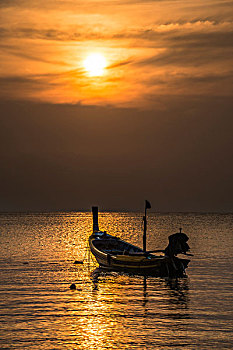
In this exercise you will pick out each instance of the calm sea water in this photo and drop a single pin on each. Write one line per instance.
(112, 311)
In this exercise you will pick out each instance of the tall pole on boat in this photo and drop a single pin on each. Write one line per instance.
(147, 206)
(95, 219)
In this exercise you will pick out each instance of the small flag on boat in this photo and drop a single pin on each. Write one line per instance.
(148, 206)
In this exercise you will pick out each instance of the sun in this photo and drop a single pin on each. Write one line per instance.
(95, 64)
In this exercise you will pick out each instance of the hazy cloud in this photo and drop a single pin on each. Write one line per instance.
(184, 167)
(162, 42)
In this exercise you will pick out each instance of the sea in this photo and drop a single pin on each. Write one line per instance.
(38, 310)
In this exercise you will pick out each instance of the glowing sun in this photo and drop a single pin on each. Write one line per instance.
(95, 64)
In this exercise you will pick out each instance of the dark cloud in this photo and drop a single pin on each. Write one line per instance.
(206, 40)
(48, 34)
(25, 87)
(186, 34)
(201, 31)
(10, 3)
(188, 57)
(121, 63)
(188, 79)
(14, 51)
(15, 87)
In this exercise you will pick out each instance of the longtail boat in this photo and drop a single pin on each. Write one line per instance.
(113, 253)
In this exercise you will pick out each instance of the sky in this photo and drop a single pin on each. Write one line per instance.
(156, 124)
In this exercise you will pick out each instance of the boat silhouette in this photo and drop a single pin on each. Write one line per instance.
(113, 253)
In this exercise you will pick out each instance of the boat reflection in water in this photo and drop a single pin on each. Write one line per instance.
(159, 297)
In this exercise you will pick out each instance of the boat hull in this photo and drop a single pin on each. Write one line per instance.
(137, 262)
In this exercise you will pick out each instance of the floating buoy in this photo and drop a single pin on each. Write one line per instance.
(72, 286)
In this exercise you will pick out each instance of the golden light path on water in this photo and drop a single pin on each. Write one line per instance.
(111, 311)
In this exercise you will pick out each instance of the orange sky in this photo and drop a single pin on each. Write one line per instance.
(156, 125)
(152, 48)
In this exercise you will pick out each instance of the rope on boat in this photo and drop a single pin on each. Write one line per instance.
(87, 256)
(84, 257)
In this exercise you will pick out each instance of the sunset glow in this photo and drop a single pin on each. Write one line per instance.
(116, 101)
(95, 64)
(164, 48)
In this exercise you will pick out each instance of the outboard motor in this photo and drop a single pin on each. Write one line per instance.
(177, 244)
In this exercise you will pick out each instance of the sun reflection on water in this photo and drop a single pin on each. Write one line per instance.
(110, 310)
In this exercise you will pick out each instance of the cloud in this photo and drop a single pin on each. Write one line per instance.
(13, 50)
(147, 53)
(39, 87)
(202, 84)
(186, 34)
(182, 31)
(18, 83)
(192, 56)
(120, 64)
